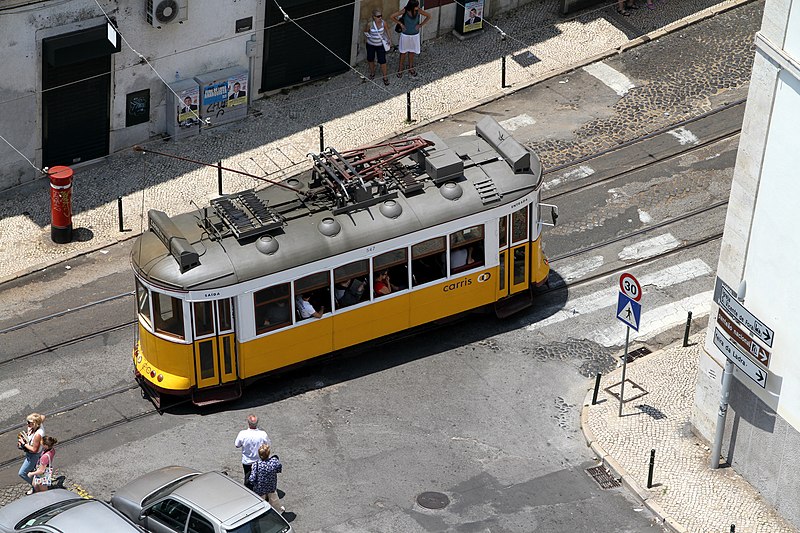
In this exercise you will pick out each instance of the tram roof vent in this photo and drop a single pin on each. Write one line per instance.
(515, 154)
(246, 215)
(443, 165)
(183, 252)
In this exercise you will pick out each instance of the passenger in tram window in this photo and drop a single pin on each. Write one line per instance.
(277, 313)
(305, 309)
(349, 293)
(383, 284)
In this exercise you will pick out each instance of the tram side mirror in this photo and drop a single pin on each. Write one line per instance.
(553, 214)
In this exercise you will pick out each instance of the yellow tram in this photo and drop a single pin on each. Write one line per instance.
(368, 243)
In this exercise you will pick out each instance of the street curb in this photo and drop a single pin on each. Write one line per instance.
(633, 43)
(625, 477)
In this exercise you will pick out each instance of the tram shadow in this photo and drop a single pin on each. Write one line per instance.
(457, 332)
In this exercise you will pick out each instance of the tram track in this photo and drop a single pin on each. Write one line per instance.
(646, 164)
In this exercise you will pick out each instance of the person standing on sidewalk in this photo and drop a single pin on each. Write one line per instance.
(378, 43)
(264, 477)
(249, 440)
(410, 21)
(30, 441)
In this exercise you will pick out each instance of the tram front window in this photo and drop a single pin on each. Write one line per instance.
(143, 302)
(168, 315)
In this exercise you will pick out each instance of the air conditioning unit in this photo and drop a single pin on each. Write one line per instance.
(162, 12)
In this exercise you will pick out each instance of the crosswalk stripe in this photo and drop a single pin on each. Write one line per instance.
(657, 320)
(611, 77)
(649, 247)
(602, 299)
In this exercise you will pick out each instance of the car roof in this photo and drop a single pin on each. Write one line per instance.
(89, 516)
(139, 489)
(79, 516)
(220, 497)
(19, 509)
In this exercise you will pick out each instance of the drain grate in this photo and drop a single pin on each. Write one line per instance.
(603, 477)
(638, 353)
(433, 500)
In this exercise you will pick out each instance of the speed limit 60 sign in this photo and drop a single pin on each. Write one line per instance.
(629, 286)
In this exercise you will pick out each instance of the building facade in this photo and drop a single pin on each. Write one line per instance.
(85, 78)
(759, 247)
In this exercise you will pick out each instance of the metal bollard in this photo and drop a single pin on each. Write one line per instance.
(686, 331)
(119, 213)
(321, 139)
(596, 389)
(408, 106)
(733, 528)
(503, 74)
(219, 177)
(652, 466)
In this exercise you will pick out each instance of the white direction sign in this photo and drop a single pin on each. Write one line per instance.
(747, 366)
(723, 296)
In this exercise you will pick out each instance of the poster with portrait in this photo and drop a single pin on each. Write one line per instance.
(188, 106)
(473, 16)
(237, 89)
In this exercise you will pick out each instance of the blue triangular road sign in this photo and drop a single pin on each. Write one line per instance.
(629, 311)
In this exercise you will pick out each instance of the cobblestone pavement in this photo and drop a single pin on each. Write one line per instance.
(274, 139)
(685, 489)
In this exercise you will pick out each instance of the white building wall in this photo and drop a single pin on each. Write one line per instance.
(760, 245)
(205, 42)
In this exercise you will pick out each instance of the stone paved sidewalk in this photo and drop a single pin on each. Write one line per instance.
(686, 492)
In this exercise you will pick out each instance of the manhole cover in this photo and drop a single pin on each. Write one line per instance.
(603, 477)
(433, 500)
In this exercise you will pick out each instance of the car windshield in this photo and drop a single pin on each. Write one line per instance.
(43, 515)
(269, 522)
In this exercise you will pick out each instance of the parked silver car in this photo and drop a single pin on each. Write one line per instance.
(59, 510)
(179, 499)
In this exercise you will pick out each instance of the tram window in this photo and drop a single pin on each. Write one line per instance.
(428, 261)
(168, 314)
(224, 312)
(519, 225)
(390, 272)
(203, 318)
(143, 302)
(273, 309)
(350, 282)
(318, 289)
(519, 265)
(466, 249)
(503, 231)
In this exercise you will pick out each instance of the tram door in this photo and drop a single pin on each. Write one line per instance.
(518, 254)
(214, 344)
(502, 278)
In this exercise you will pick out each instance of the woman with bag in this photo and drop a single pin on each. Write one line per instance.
(30, 441)
(264, 477)
(409, 20)
(42, 477)
(378, 43)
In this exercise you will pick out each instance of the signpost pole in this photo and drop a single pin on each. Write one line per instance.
(716, 449)
(624, 368)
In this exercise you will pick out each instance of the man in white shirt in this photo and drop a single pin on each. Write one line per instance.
(305, 309)
(249, 440)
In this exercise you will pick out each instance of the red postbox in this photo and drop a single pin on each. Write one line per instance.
(60, 204)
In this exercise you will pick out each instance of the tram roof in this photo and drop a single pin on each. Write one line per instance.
(488, 180)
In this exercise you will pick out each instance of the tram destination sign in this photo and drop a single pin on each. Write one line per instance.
(743, 339)
(744, 364)
(725, 298)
